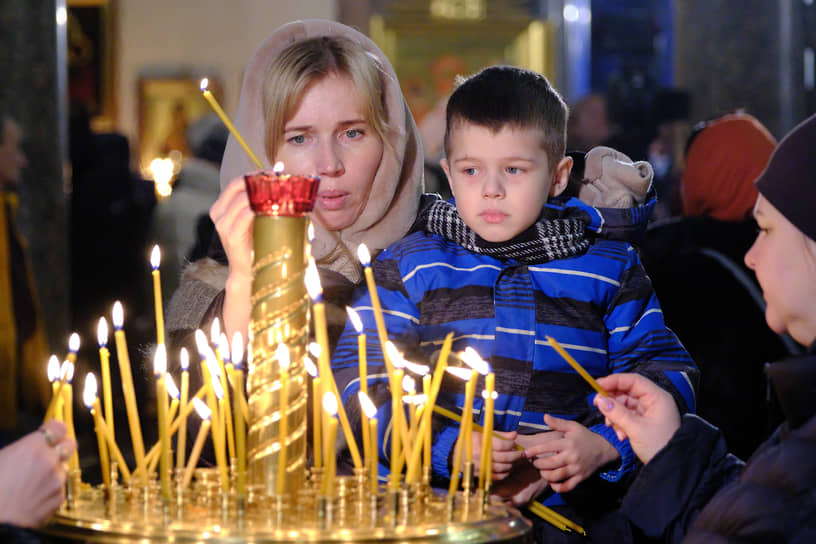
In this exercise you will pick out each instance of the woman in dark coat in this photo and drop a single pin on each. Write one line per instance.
(691, 488)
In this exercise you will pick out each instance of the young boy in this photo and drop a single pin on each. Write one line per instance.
(508, 265)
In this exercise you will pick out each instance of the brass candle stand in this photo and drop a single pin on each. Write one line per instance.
(270, 505)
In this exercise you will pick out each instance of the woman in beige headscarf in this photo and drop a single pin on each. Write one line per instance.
(322, 98)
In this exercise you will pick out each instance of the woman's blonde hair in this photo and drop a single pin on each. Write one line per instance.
(307, 61)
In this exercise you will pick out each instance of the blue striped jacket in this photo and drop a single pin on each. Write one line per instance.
(599, 305)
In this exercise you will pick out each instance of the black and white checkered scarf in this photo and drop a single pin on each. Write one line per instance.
(548, 239)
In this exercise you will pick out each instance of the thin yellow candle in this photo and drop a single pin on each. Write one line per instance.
(112, 447)
(476, 427)
(365, 259)
(426, 437)
(127, 386)
(104, 360)
(469, 377)
(317, 412)
(205, 414)
(361, 358)
(425, 424)
(578, 368)
(372, 459)
(330, 407)
(73, 348)
(54, 410)
(68, 406)
(472, 358)
(312, 280)
(396, 433)
(152, 456)
(222, 114)
(155, 260)
(160, 370)
(92, 402)
(220, 450)
(282, 355)
(240, 421)
(175, 395)
(205, 354)
(222, 355)
(486, 462)
(181, 442)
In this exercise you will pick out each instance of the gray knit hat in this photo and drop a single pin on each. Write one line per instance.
(789, 180)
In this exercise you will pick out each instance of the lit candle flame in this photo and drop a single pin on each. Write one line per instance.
(393, 353)
(419, 370)
(215, 331)
(102, 332)
(67, 371)
(89, 394)
(204, 84)
(155, 257)
(495, 395)
(474, 361)
(311, 368)
(330, 403)
(224, 348)
(118, 315)
(461, 373)
(73, 343)
(355, 319)
(212, 364)
(312, 279)
(170, 385)
(282, 354)
(202, 409)
(363, 254)
(310, 233)
(160, 360)
(315, 349)
(53, 369)
(278, 168)
(217, 389)
(201, 342)
(237, 349)
(184, 358)
(368, 407)
(408, 385)
(422, 398)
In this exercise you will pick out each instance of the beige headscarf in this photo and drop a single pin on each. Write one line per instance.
(394, 197)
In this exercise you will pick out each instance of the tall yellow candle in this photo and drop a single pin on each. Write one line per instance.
(155, 260)
(330, 407)
(181, 442)
(486, 462)
(54, 410)
(160, 370)
(205, 414)
(240, 418)
(222, 355)
(127, 386)
(68, 406)
(426, 436)
(104, 360)
(174, 393)
(222, 114)
(578, 368)
(396, 432)
(317, 413)
(372, 460)
(469, 376)
(472, 358)
(362, 365)
(220, 449)
(327, 379)
(282, 355)
(92, 402)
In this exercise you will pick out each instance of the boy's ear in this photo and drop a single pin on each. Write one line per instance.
(561, 176)
(446, 168)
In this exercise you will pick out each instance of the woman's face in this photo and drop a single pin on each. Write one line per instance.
(329, 136)
(784, 260)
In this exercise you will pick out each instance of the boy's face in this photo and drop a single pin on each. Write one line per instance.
(501, 180)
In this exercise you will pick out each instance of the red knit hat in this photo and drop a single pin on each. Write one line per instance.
(721, 165)
(789, 181)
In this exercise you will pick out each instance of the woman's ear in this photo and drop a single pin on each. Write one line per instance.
(446, 168)
(561, 176)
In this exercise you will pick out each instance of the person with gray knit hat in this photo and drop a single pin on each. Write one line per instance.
(691, 488)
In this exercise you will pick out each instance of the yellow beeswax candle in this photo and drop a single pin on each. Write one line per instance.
(160, 370)
(92, 402)
(127, 387)
(155, 260)
(372, 460)
(486, 462)
(330, 407)
(222, 114)
(181, 441)
(205, 414)
(104, 361)
(68, 407)
(578, 368)
(317, 413)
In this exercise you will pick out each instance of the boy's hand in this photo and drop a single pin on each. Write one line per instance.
(569, 454)
(525, 485)
(504, 454)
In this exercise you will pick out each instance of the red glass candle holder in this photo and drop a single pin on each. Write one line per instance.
(281, 194)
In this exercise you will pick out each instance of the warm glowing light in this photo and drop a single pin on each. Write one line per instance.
(184, 358)
(330, 403)
(310, 233)
(202, 409)
(201, 342)
(215, 331)
(53, 369)
(217, 389)
(224, 348)
(355, 319)
(278, 168)
(419, 370)
(282, 354)
(67, 371)
(493, 394)
(62, 15)
(155, 257)
(172, 389)
(422, 398)
(312, 279)
(73, 343)
(162, 171)
(394, 355)
(237, 349)
(118, 315)
(363, 255)
(368, 407)
(459, 372)
(204, 84)
(160, 360)
(311, 368)
(102, 332)
(315, 349)
(408, 385)
(89, 394)
(474, 360)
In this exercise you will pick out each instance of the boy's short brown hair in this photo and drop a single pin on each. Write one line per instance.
(501, 96)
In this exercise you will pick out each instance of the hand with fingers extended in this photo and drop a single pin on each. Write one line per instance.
(504, 453)
(568, 454)
(32, 475)
(638, 409)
